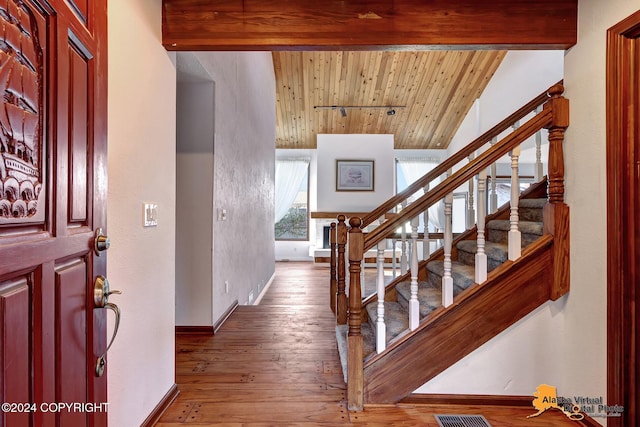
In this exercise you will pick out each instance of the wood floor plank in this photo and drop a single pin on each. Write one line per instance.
(318, 412)
(276, 364)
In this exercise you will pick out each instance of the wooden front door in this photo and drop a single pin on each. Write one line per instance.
(53, 181)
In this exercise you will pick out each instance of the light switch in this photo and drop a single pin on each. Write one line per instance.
(150, 214)
(222, 214)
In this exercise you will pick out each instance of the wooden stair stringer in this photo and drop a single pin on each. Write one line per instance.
(512, 291)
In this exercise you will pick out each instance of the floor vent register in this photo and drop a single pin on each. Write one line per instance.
(462, 421)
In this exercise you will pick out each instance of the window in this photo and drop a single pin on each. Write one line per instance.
(292, 199)
(408, 170)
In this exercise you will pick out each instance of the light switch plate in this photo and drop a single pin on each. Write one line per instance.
(150, 214)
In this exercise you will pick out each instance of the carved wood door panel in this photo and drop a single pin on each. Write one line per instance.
(52, 199)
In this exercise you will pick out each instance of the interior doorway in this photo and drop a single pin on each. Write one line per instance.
(195, 130)
(623, 222)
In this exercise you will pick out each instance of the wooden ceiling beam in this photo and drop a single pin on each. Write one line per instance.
(368, 24)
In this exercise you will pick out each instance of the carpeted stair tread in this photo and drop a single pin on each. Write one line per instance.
(395, 317)
(532, 203)
(429, 296)
(531, 209)
(368, 339)
(341, 338)
(529, 227)
(368, 347)
(498, 231)
(463, 274)
(497, 253)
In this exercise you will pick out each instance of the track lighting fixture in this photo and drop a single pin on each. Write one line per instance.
(391, 109)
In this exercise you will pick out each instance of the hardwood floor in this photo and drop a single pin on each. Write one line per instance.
(276, 364)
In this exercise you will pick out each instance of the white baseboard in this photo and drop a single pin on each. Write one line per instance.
(265, 289)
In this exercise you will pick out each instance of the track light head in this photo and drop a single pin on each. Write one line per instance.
(391, 112)
(343, 112)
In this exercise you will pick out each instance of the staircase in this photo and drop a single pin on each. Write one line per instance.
(430, 290)
(465, 293)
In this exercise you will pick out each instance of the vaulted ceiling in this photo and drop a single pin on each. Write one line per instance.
(430, 91)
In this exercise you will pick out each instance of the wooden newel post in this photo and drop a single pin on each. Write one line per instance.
(559, 123)
(556, 212)
(333, 281)
(341, 299)
(355, 384)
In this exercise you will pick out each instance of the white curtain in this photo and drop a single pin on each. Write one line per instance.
(413, 169)
(289, 175)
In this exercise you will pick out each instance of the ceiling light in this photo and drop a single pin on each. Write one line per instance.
(391, 112)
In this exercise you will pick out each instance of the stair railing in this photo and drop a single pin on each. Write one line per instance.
(463, 153)
(554, 117)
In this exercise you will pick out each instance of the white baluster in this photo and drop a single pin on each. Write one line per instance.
(426, 247)
(403, 249)
(394, 266)
(381, 330)
(471, 214)
(481, 256)
(493, 200)
(363, 287)
(414, 305)
(538, 170)
(409, 248)
(514, 233)
(363, 291)
(447, 278)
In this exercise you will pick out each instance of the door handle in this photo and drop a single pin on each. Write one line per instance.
(101, 292)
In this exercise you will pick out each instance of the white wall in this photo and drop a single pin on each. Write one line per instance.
(194, 201)
(521, 76)
(354, 146)
(243, 174)
(584, 359)
(141, 158)
(564, 342)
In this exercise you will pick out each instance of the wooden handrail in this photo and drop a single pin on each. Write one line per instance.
(484, 160)
(456, 158)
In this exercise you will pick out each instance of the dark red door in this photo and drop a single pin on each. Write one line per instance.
(52, 199)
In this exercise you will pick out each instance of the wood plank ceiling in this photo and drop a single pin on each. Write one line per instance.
(430, 91)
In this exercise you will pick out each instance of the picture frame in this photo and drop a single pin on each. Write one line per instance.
(355, 175)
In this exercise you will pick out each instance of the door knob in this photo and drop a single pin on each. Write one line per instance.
(101, 242)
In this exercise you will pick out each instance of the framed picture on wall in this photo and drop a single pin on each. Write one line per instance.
(355, 175)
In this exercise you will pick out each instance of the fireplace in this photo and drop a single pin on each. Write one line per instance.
(326, 240)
